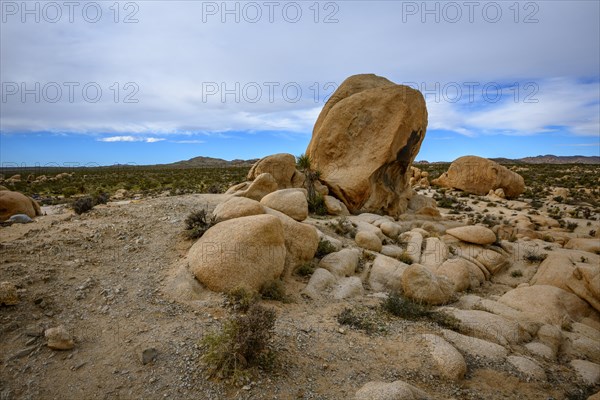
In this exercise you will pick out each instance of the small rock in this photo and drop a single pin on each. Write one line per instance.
(589, 372)
(148, 355)
(59, 338)
(8, 294)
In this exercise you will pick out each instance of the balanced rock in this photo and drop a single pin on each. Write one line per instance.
(473, 234)
(282, 167)
(478, 175)
(365, 140)
(241, 252)
(291, 202)
(12, 203)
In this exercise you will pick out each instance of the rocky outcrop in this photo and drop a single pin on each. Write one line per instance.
(241, 252)
(365, 140)
(282, 167)
(12, 203)
(478, 175)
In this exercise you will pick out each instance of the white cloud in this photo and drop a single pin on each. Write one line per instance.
(112, 139)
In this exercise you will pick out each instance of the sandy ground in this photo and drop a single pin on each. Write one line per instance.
(116, 279)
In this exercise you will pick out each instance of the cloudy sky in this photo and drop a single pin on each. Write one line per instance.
(159, 81)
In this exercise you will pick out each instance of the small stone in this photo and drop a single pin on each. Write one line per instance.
(59, 338)
(8, 294)
(342, 331)
(148, 355)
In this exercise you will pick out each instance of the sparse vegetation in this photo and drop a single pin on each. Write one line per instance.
(241, 343)
(306, 269)
(517, 273)
(363, 319)
(325, 247)
(274, 290)
(571, 226)
(197, 223)
(344, 227)
(241, 299)
(402, 307)
(83, 205)
(533, 257)
(405, 258)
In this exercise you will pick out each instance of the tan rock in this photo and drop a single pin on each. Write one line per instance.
(334, 206)
(589, 245)
(281, 167)
(376, 180)
(588, 372)
(475, 347)
(434, 254)
(261, 186)
(242, 252)
(341, 263)
(347, 288)
(236, 207)
(458, 272)
(448, 362)
(493, 261)
(420, 284)
(527, 367)
(547, 304)
(491, 327)
(414, 242)
(397, 390)
(12, 203)
(386, 274)
(473, 234)
(368, 241)
(301, 241)
(479, 175)
(291, 202)
(59, 339)
(8, 294)
(319, 282)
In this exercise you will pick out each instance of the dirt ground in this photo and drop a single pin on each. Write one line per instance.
(116, 279)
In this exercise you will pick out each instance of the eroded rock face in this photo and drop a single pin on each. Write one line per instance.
(365, 140)
(479, 175)
(282, 168)
(241, 252)
(12, 203)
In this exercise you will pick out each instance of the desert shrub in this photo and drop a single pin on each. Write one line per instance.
(325, 247)
(316, 204)
(446, 201)
(362, 319)
(402, 307)
(558, 199)
(305, 269)
(405, 258)
(69, 191)
(101, 198)
(517, 273)
(197, 223)
(592, 233)
(241, 299)
(83, 205)
(571, 226)
(344, 227)
(242, 342)
(533, 257)
(273, 290)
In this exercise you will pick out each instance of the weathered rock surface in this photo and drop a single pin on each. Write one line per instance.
(291, 202)
(386, 274)
(475, 347)
(449, 363)
(368, 241)
(334, 206)
(527, 367)
(236, 207)
(261, 186)
(589, 372)
(319, 282)
(341, 263)
(281, 167)
(397, 390)
(12, 203)
(473, 234)
(369, 112)
(420, 284)
(479, 175)
(59, 338)
(242, 252)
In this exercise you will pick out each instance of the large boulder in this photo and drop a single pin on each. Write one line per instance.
(386, 274)
(582, 279)
(241, 252)
(473, 234)
(291, 202)
(447, 361)
(422, 285)
(237, 207)
(301, 241)
(479, 175)
(365, 140)
(261, 186)
(12, 203)
(282, 167)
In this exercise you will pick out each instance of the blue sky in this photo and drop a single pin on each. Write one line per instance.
(156, 82)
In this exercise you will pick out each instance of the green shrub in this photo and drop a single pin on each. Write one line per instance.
(316, 204)
(83, 205)
(533, 257)
(305, 269)
(197, 223)
(242, 342)
(273, 290)
(516, 273)
(571, 226)
(402, 307)
(362, 319)
(241, 299)
(325, 247)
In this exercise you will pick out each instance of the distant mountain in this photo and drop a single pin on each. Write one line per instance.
(208, 162)
(551, 159)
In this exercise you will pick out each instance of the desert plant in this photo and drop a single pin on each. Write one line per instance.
(101, 198)
(273, 290)
(402, 307)
(316, 202)
(405, 258)
(533, 257)
(571, 226)
(83, 205)
(241, 299)
(242, 342)
(325, 247)
(517, 273)
(197, 223)
(305, 269)
(362, 319)
(344, 227)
